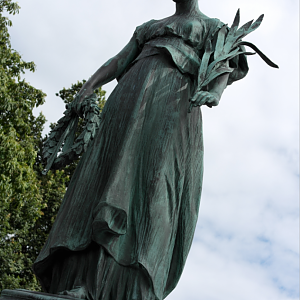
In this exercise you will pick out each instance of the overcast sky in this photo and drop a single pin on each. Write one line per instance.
(246, 244)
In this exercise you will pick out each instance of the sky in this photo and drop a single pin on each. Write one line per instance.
(246, 244)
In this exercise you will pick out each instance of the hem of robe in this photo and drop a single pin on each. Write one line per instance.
(110, 225)
(56, 250)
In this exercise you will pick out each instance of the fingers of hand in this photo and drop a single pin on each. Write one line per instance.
(75, 105)
(201, 98)
(198, 98)
(212, 101)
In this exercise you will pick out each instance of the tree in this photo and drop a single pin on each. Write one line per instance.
(21, 202)
(29, 201)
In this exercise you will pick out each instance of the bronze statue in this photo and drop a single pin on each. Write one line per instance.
(127, 221)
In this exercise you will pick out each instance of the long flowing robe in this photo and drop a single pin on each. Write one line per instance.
(127, 220)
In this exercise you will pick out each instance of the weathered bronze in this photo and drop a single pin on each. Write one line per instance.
(127, 221)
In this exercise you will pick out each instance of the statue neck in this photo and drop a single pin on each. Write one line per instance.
(187, 8)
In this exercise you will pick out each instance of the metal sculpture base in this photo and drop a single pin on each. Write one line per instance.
(30, 295)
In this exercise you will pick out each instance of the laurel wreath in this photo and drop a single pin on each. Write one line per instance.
(60, 148)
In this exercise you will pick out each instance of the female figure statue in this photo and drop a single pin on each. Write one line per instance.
(127, 221)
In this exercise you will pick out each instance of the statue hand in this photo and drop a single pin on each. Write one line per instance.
(76, 103)
(204, 98)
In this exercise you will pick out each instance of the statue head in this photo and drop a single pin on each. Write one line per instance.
(184, 1)
(191, 5)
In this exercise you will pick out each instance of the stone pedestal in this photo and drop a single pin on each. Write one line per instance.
(29, 295)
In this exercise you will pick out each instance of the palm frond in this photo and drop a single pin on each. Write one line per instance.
(220, 42)
(262, 55)
(205, 61)
(244, 28)
(226, 48)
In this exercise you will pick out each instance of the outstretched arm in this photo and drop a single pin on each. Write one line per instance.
(111, 69)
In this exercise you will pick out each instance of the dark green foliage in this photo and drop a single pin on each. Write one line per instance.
(29, 201)
(67, 95)
(20, 199)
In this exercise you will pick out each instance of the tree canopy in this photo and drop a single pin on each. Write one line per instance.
(21, 201)
(29, 201)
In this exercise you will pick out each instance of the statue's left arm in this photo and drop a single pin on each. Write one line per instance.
(112, 69)
(213, 95)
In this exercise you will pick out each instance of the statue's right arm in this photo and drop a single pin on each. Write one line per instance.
(111, 69)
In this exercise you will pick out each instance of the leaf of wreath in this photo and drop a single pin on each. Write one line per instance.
(63, 135)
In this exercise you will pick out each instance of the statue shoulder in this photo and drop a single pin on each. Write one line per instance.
(212, 25)
(145, 26)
